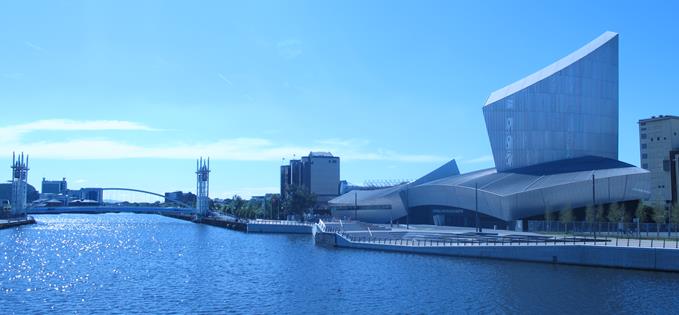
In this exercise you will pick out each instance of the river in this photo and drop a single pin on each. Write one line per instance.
(132, 263)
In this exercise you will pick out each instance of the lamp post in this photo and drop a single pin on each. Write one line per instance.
(476, 200)
(355, 205)
(407, 210)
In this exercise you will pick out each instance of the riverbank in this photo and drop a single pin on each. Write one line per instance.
(251, 226)
(5, 224)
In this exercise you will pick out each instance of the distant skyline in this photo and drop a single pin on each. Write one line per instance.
(129, 94)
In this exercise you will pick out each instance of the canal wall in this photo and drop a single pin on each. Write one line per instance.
(14, 223)
(657, 259)
(255, 227)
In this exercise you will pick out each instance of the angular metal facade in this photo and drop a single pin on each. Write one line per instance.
(566, 110)
(550, 133)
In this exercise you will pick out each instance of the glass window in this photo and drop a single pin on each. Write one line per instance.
(643, 136)
(644, 145)
(644, 156)
(666, 165)
(644, 166)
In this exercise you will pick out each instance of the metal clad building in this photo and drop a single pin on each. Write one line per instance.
(554, 138)
(566, 110)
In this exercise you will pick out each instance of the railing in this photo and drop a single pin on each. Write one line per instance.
(280, 222)
(321, 225)
(639, 230)
(507, 241)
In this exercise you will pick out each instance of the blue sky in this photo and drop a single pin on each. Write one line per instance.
(128, 93)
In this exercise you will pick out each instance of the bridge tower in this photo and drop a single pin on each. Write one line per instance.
(19, 184)
(202, 186)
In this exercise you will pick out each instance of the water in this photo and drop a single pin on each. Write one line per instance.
(127, 263)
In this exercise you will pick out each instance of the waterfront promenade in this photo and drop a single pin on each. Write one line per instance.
(629, 253)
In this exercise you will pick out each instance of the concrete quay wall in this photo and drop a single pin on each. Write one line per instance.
(279, 228)
(657, 259)
(14, 223)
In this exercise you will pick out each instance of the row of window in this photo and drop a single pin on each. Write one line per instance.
(665, 164)
(643, 136)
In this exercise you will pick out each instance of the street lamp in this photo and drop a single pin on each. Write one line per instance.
(476, 200)
(407, 209)
(356, 205)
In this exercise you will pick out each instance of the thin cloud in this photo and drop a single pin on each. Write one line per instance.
(33, 46)
(289, 48)
(221, 76)
(14, 132)
(234, 149)
(237, 149)
(480, 159)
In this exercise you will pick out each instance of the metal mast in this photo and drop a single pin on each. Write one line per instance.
(202, 187)
(19, 185)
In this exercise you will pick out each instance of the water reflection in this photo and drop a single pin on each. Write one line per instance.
(152, 264)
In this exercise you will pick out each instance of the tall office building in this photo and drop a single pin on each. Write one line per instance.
(321, 175)
(659, 141)
(285, 178)
(317, 173)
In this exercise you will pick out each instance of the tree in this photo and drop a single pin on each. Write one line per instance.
(298, 200)
(675, 214)
(615, 213)
(659, 215)
(590, 214)
(549, 215)
(235, 205)
(566, 215)
(600, 213)
(642, 212)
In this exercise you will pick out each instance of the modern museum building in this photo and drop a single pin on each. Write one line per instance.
(554, 140)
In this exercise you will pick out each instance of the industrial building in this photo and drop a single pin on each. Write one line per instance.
(54, 186)
(659, 150)
(554, 139)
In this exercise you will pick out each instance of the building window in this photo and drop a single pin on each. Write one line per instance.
(643, 136)
(644, 166)
(658, 139)
(643, 128)
(666, 165)
(644, 156)
(643, 124)
(644, 145)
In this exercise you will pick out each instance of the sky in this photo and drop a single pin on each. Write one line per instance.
(130, 93)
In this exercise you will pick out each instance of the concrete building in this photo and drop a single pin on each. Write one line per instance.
(554, 139)
(659, 145)
(54, 186)
(317, 173)
(92, 194)
(285, 178)
(321, 175)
